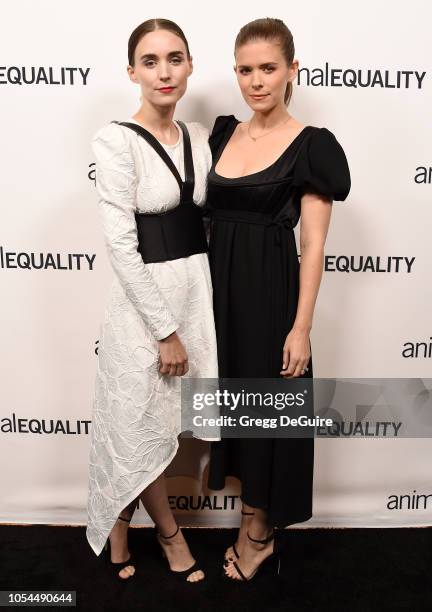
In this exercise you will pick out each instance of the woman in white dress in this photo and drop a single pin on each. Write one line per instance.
(158, 323)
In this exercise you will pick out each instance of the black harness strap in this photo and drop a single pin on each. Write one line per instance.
(178, 232)
(189, 182)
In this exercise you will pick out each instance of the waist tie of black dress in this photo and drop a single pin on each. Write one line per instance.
(239, 216)
(178, 232)
(284, 251)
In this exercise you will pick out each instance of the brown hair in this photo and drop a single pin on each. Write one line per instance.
(269, 29)
(150, 26)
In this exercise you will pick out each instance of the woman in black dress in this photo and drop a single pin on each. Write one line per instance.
(266, 173)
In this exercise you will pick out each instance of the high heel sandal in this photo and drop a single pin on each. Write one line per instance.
(179, 574)
(117, 567)
(275, 556)
(227, 558)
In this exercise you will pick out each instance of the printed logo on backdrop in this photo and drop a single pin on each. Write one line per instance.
(92, 173)
(45, 260)
(202, 502)
(40, 426)
(43, 75)
(417, 350)
(410, 501)
(329, 76)
(424, 175)
(192, 503)
(368, 263)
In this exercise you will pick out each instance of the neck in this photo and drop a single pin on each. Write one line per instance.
(267, 119)
(156, 118)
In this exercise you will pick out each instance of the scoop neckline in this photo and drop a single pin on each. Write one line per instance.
(248, 176)
(173, 146)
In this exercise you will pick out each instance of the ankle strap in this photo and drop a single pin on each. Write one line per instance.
(247, 513)
(265, 541)
(171, 536)
(124, 519)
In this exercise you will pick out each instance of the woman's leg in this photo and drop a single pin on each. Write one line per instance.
(247, 513)
(118, 540)
(155, 500)
(253, 554)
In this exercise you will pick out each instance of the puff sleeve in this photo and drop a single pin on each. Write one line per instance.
(217, 135)
(322, 167)
(116, 187)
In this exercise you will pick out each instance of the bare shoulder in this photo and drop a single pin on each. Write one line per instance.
(296, 124)
(240, 132)
(293, 127)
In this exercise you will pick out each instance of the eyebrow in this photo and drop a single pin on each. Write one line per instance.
(260, 66)
(153, 56)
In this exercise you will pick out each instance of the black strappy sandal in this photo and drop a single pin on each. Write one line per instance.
(180, 574)
(275, 556)
(229, 559)
(117, 567)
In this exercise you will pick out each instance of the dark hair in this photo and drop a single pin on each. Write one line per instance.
(269, 29)
(150, 26)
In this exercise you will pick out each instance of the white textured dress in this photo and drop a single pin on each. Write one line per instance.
(136, 410)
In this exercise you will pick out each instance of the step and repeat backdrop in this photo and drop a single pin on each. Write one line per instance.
(365, 75)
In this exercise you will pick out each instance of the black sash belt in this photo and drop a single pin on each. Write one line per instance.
(178, 232)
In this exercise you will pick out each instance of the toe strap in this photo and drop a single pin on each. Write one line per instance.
(239, 572)
(194, 568)
(122, 564)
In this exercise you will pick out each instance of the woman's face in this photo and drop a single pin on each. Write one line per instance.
(161, 67)
(263, 74)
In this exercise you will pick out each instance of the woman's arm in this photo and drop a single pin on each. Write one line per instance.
(116, 186)
(314, 224)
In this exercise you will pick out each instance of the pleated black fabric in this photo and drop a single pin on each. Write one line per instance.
(255, 274)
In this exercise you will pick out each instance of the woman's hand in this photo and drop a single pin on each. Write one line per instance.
(173, 359)
(296, 353)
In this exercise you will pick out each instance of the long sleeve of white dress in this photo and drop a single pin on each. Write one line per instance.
(116, 183)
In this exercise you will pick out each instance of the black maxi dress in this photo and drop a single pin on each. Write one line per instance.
(255, 274)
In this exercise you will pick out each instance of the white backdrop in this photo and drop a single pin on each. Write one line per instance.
(364, 321)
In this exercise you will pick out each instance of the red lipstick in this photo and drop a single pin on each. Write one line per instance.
(166, 90)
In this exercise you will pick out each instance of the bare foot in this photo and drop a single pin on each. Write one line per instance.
(241, 537)
(179, 556)
(251, 557)
(119, 547)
